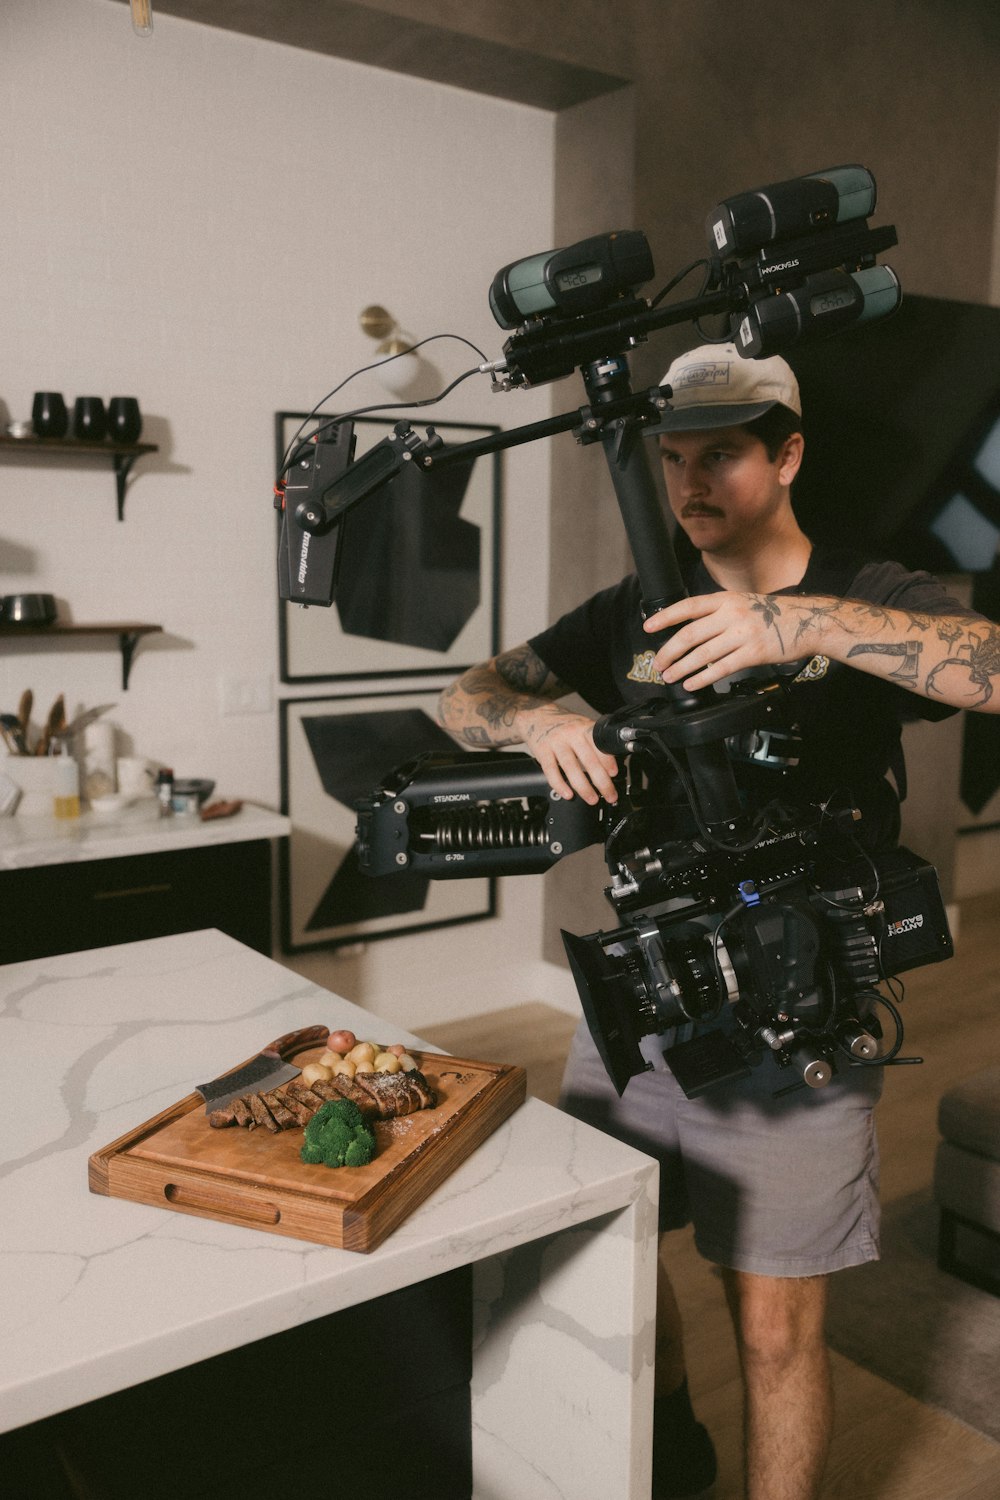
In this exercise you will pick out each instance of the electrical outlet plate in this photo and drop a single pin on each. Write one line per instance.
(246, 695)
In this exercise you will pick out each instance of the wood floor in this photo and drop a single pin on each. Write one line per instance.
(886, 1446)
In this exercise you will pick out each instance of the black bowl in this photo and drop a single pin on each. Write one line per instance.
(27, 609)
(195, 786)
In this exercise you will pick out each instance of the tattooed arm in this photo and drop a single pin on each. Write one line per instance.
(511, 700)
(950, 659)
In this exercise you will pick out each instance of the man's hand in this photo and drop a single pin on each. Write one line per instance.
(563, 745)
(725, 633)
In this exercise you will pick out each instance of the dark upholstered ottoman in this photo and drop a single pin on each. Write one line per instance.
(967, 1180)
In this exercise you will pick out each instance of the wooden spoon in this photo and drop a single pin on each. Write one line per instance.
(54, 725)
(24, 711)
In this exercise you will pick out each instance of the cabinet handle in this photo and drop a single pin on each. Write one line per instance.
(132, 890)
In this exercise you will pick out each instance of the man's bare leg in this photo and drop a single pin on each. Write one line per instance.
(779, 1324)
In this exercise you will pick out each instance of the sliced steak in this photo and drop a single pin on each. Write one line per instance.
(261, 1114)
(306, 1096)
(379, 1096)
(397, 1094)
(295, 1106)
(241, 1111)
(283, 1117)
(340, 1087)
(428, 1098)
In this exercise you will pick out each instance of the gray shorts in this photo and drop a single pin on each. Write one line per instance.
(776, 1187)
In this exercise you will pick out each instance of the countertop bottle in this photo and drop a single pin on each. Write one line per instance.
(165, 792)
(66, 798)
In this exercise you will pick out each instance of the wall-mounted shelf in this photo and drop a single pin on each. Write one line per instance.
(128, 633)
(122, 455)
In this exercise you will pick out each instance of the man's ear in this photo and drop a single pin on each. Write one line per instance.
(790, 457)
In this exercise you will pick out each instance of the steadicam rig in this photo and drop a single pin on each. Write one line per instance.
(789, 262)
(765, 928)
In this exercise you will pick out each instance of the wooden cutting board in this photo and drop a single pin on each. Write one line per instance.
(255, 1178)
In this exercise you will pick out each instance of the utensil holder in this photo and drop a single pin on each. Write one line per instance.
(39, 779)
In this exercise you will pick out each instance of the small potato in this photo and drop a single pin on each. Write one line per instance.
(408, 1064)
(365, 1065)
(344, 1069)
(362, 1052)
(397, 1049)
(316, 1073)
(328, 1059)
(386, 1062)
(341, 1041)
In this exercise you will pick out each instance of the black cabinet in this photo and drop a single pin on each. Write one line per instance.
(65, 908)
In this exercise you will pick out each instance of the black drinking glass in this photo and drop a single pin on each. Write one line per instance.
(124, 419)
(49, 416)
(89, 420)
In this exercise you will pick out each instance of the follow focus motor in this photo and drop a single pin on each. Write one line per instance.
(746, 929)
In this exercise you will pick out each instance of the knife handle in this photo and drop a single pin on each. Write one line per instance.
(294, 1041)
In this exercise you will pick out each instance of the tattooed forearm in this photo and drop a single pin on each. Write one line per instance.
(949, 630)
(813, 616)
(525, 672)
(876, 616)
(974, 662)
(908, 651)
(480, 739)
(954, 659)
(767, 606)
(482, 707)
(498, 710)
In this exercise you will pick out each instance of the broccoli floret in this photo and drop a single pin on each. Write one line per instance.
(338, 1136)
(361, 1150)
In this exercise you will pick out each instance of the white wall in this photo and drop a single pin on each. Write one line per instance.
(198, 219)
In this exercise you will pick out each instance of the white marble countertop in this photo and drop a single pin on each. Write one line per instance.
(99, 1293)
(26, 842)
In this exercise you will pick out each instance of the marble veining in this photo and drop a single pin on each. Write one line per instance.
(99, 1293)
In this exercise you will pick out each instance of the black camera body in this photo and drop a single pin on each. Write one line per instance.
(775, 951)
(769, 949)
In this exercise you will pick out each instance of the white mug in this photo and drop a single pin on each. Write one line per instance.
(98, 759)
(134, 775)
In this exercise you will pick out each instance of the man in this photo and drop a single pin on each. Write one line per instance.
(781, 1191)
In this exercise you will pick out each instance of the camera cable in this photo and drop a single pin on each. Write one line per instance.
(291, 452)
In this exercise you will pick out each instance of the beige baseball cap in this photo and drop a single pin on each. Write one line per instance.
(714, 386)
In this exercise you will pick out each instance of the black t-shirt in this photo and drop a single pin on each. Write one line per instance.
(848, 721)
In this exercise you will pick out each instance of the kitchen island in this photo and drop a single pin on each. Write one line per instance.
(99, 1294)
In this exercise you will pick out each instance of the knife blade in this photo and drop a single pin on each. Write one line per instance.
(265, 1071)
